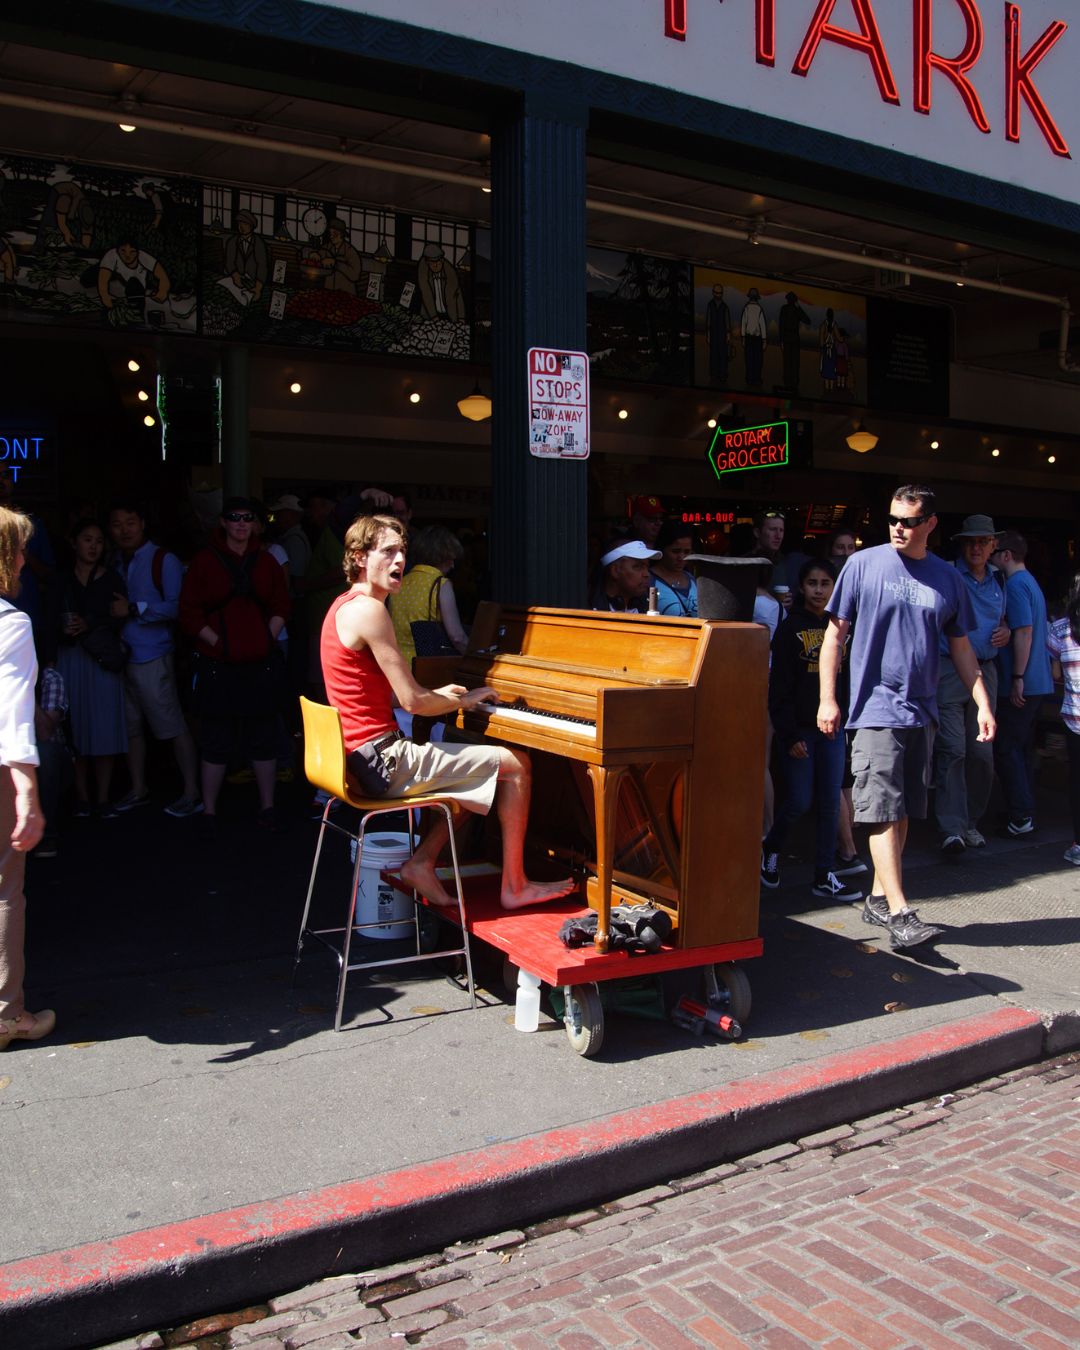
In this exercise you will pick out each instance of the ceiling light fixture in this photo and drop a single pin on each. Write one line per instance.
(477, 407)
(127, 126)
(711, 423)
(144, 397)
(148, 421)
(935, 445)
(623, 414)
(134, 366)
(414, 397)
(861, 440)
(995, 453)
(1051, 459)
(295, 387)
(757, 229)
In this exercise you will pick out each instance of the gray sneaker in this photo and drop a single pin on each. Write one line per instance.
(1071, 855)
(184, 807)
(974, 838)
(876, 910)
(906, 929)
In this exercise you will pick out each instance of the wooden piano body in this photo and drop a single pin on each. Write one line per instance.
(648, 739)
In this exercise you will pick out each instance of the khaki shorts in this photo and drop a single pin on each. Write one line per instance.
(891, 768)
(150, 693)
(467, 773)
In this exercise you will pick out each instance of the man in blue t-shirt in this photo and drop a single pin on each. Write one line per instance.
(964, 773)
(1024, 668)
(905, 600)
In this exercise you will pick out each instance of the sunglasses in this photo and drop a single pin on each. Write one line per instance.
(233, 517)
(908, 522)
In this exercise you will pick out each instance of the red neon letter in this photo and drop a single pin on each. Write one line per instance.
(868, 41)
(766, 32)
(675, 19)
(1018, 71)
(927, 60)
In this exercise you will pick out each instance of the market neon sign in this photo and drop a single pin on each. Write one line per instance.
(764, 447)
(1020, 65)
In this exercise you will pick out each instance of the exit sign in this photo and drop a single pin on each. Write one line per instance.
(765, 447)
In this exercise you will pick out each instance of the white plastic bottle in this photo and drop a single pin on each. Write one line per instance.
(527, 1004)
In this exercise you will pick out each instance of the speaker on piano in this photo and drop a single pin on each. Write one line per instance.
(726, 586)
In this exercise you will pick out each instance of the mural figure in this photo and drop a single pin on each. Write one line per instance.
(792, 318)
(160, 202)
(344, 262)
(718, 336)
(754, 337)
(827, 338)
(247, 260)
(8, 264)
(843, 364)
(67, 218)
(440, 290)
(126, 277)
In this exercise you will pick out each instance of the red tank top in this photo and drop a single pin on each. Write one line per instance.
(355, 683)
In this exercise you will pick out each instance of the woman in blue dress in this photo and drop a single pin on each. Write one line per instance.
(676, 589)
(96, 695)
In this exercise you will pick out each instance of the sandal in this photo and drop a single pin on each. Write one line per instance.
(27, 1026)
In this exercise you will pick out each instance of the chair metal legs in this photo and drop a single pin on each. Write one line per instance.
(342, 951)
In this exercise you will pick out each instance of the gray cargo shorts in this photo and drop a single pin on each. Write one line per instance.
(891, 768)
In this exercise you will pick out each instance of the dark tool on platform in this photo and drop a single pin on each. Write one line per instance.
(634, 928)
(698, 1018)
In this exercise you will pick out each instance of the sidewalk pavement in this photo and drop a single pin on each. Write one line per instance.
(199, 1135)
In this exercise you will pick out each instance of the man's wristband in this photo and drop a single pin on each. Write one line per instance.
(1019, 676)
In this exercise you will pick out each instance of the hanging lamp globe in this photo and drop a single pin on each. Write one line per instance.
(861, 440)
(477, 407)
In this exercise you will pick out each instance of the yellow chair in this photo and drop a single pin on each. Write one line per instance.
(324, 765)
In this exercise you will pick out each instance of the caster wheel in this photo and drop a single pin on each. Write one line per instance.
(729, 981)
(584, 1018)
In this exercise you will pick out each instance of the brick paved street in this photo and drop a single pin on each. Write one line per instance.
(951, 1222)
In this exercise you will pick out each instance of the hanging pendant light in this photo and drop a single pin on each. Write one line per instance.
(477, 407)
(861, 440)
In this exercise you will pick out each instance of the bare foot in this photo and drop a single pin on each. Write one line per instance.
(422, 877)
(536, 893)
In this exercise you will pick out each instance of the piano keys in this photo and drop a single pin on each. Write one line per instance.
(647, 737)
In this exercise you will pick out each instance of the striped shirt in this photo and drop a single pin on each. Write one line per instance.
(1064, 648)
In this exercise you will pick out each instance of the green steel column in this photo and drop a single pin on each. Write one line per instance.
(538, 519)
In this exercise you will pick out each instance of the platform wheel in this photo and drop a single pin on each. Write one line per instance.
(509, 976)
(584, 1018)
(730, 984)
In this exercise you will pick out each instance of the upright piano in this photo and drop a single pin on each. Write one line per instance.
(648, 742)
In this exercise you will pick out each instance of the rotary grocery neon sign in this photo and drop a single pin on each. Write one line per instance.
(1020, 65)
(765, 447)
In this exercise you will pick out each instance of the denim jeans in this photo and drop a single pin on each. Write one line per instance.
(816, 779)
(1012, 747)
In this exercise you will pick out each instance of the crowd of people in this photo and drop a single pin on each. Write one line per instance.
(891, 671)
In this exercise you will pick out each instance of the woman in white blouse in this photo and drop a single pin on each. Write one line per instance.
(21, 821)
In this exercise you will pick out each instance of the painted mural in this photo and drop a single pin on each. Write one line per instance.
(638, 316)
(313, 273)
(94, 246)
(760, 334)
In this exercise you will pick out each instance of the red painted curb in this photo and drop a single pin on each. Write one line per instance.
(98, 1266)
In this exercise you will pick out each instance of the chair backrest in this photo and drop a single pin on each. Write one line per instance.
(324, 748)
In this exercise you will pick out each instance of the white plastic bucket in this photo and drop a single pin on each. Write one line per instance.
(377, 902)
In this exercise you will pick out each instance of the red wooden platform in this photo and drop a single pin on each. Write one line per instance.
(530, 938)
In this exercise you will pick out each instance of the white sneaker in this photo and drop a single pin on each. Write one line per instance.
(973, 838)
(953, 845)
(1072, 854)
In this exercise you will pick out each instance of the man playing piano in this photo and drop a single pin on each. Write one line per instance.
(366, 675)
